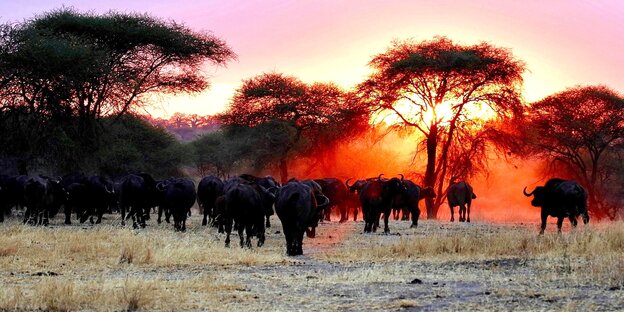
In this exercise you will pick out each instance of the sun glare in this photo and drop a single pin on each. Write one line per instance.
(442, 114)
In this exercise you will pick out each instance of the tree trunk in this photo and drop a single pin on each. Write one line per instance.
(430, 178)
(283, 168)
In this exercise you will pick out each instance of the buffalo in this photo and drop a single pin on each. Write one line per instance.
(88, 196)
(460, 194)
(338, 195)
(244, 205)
(208, 190)
(178, 196)
(137, 195)
(376, 198)
(408, 201)
(321, 200)
(354, 197)
(39, 199)
(560, 199)
(268, 183)
(297, 209)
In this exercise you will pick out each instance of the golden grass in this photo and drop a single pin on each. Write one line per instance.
(590, 254)
(475, 243)
(113, 268)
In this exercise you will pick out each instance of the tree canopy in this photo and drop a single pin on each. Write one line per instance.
(318, 113)
(71, 69)
(431, 86)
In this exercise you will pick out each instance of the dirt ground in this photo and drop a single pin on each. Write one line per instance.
(438, 266)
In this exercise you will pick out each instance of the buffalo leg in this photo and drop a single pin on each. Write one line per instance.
(299, 244)
(462, 213)
(468, 216)
(406, 214)
(134, 221)
(268, 221)
(205, 219)
(228, 229)
(240, 228)
(123, 215)
(100, 213)
(248, 233)
(160, 212)
(573, 221)
(386, 217)
(45, 215)
(144, 216)
(260, 233)
(452, 214)
(311, 232)
(543, 227)
(289, 238)
(559, 224)
(67, 214)
(415, 216)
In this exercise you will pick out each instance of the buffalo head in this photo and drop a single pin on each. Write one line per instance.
(427, 192)
(538, 196)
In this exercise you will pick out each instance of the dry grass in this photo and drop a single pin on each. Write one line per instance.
(68, 268)
(477, 242)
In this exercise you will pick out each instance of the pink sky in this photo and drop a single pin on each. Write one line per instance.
(564, 42)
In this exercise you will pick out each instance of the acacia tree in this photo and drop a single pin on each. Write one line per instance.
(74, 68)
(580, 129)
(431, 85)
(310, 110)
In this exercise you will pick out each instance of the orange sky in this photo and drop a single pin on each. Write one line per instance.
(563, 42)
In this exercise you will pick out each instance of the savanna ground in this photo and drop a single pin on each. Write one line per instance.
(438, 266)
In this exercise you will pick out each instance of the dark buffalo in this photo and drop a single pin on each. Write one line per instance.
(154, 200)
(354, 195)
(220, 203)
(376, 198)
(38, 199)
(560, 199)
(296, 207)
(338, 195)
(78, 201)
(137, 195)
(88, 197)
(178, 197)
(208, 190)
(408, 201)
(460, 194)
(269, 184)
(322, 202)
(244, 205)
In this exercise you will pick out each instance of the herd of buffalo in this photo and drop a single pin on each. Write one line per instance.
(247, 202)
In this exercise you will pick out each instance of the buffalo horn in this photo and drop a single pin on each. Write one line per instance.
(525, 192)
(111, 191)
(379, 177)
(402, 177)
(161, 186)
(347, 183)
(324, 203)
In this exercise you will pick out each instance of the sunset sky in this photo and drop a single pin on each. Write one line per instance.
(563, 42)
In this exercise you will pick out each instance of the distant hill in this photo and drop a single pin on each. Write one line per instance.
(186, 127)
